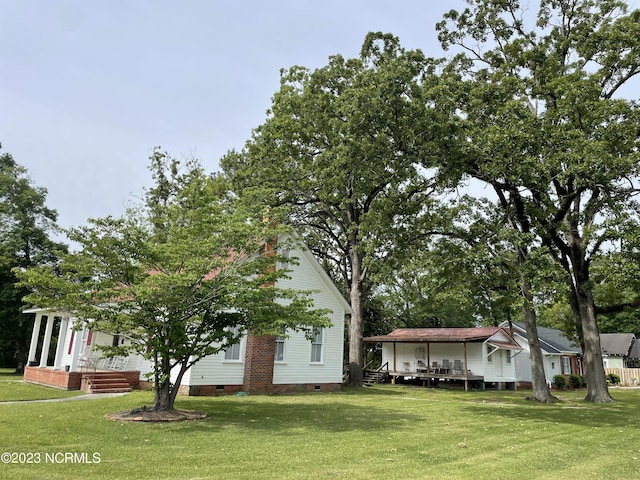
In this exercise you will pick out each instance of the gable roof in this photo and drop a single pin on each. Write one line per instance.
(618, 344)
(323, 276)
(551, 340)
(443, 335)
(635, 350)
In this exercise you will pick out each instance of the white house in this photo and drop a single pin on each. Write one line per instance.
(257, 364)
(560, 356)
(482, 355)
(618, 350)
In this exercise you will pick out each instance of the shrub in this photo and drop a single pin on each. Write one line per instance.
(613, 378)
(576, 381)
(559, 382)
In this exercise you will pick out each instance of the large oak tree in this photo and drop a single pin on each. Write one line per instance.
(343, 147)
(539, 112)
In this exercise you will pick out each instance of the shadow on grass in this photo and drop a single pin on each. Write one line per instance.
(621, 413)
(286, 416)
(9, 373)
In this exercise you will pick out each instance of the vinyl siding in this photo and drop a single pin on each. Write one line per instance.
(297, 366)
(496, 371)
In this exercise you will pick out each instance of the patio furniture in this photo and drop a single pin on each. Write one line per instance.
(446, 366)
(457, 367)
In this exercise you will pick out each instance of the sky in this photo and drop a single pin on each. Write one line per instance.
(89, 88)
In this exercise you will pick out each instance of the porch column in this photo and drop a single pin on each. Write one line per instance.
(33, 347)
(466, 371)
(47, 341)
(76, 347)
(62, 336)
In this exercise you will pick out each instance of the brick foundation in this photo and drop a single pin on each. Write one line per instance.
(53, 378)
(68, 380)
(209, 390)
(306, 387)
(220, 390)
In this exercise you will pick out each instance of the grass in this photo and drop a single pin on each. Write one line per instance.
(12, 388)
(391, 432)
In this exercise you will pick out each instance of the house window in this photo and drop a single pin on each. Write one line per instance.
(280, 342)
(316, 345)
(566, 365)
(508, 357)
(283, 264)
(233, 351)
(489, 356)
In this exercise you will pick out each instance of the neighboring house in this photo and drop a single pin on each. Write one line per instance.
(265, 364)
(618, 350)
(560, 356)
(481, 355)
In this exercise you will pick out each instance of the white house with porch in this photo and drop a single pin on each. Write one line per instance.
(257, 364)
(483, 355)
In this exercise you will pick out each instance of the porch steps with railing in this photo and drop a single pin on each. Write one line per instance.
(108, 382)
(371, 377)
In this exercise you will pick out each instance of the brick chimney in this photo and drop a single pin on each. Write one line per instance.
(258, 363)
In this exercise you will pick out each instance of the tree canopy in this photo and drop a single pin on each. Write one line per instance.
(26, 228)
(342, 147)
(539, 116)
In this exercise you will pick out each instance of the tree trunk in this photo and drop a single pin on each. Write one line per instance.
(597, 390)
(539, 385)
(355, 324)
(164, 399)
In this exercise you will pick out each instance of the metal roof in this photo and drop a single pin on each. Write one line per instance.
(552, 340)
(444, 335)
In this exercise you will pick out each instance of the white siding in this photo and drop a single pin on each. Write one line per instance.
(496, 371)
(552, 363)
(406, 355)
(297, 366)
(215, 370)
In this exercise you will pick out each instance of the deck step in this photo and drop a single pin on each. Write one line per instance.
(108, 382)
(373, 377)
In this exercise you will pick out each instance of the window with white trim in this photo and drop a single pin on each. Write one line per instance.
(508, 359)
(316, 345)
(280, 345)
(566, 365)
(233, 351)
(283, 263)
(489, 356)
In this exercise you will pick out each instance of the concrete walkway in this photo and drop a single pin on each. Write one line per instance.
(88, 396)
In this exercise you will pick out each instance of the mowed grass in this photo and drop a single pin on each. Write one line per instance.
(12, 388)
(388, 432)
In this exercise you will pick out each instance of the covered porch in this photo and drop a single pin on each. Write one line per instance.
(467, 355)
(61, 354)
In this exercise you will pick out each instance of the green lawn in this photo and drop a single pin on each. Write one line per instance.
(12, 388)
(386, 432)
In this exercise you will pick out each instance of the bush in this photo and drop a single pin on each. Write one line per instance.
(576, 381)
(559, 382)
(613, 378)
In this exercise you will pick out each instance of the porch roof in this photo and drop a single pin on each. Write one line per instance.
(442, 335)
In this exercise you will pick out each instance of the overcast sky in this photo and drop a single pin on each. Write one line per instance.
(88, 88)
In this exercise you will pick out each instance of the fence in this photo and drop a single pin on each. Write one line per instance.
(629, 377)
